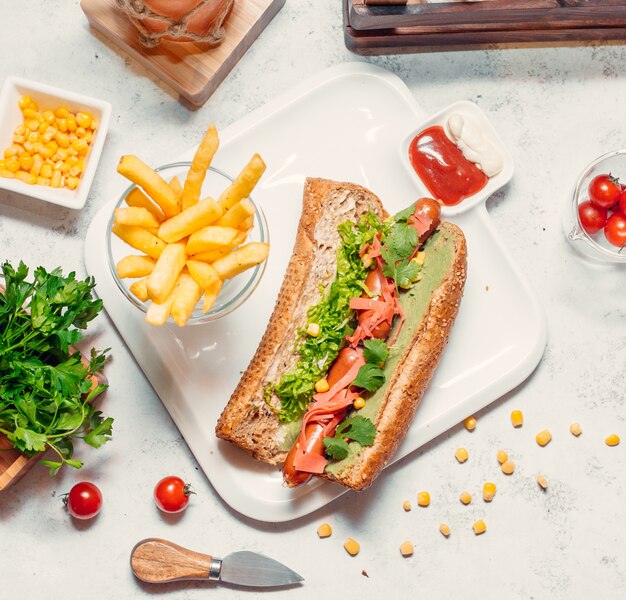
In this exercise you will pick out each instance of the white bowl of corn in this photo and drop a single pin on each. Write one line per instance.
(50, 141)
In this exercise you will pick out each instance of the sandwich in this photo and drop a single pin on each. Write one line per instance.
(359, 327)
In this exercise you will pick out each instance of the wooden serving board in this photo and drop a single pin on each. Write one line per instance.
(492, 24)
(193, 71)
(13, 464)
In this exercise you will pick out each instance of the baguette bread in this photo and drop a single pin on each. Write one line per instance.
(249, 419)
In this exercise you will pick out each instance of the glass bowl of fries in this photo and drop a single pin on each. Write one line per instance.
(236, 259)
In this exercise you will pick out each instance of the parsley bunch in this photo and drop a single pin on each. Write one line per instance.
(44, 387)
(398, 247)
(357, 429)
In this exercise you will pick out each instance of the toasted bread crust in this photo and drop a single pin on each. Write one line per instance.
(247, 420)
(251, 424)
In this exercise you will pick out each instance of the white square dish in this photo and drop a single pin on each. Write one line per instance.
(49, 97)
(471, 110)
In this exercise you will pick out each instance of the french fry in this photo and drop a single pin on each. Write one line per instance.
(137, 198)
(190, 220)
(166, 271)
(140, 289)
(199, 166)
(134, 266)
(158, 314)
(241, 259)
(239, 239)
(186, 297)
(135, 215)
(211, 238)
(210, 295)
(157, 188)
(247, 225)
(236, 215)
(210, 256)
(243, 184)
(178, 189)
(203, 273)
(140, 239)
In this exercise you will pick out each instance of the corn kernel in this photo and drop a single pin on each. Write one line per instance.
(479, 527)
(543, 437)
(74, 170)
(20, 130)
(313, 329)
(445, 529)
(461, 455)
(322, 386)
(406, 505)
(7, 174)
(81, 132)
(470, 423)
(406, 549)
(26, 162)
(542, 481)
(359, 403)
(465, 497)
(88, 137)
(18, 139)
(43, 181)
(72, 182)
(324, 530)
(489, 491)
(24, 102)
(502, 456)
(83, 119)
(423, 499)
(71, 123)
(62, 112)
(48, 116)
(9, 152)
(612, 440)
(508, 467)
(26, 177)
(29, 113)
(62, 139)
(94, 124)
(12, 164)
(575, 429)
(37, 166)
(46, 171)
(55, 180)
(352, 547)
(3, 164)
(517, 418)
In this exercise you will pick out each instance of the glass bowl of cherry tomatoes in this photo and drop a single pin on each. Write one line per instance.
(596, 225)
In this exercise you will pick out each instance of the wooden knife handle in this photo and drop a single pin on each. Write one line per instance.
(159, 561)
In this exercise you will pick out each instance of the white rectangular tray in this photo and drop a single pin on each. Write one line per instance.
(342, 124)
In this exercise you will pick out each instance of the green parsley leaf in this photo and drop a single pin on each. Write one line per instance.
(406, 273)
(358, 429)
(101, 430)
(336, 448)
(402, 240)
(370, 377)
(375, 351)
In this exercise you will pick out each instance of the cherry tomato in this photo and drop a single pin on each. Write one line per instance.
(622, 202)
(171, 494)
(604, 191)
(428, 207)
(615, 230)
(592, 217)
(84, 500)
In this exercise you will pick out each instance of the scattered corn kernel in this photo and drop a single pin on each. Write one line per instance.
(543, 437)
(502, 456)
(359, 403)
(406, 505)
(542, 481)
(465, 497)
(313, 329)
(489, 491)
(322, 386)
(406, 548)
(324, 530)
(508, 467)
(517, 418)
(445, 529)
(612, 440)
(352, 547)
(42, 136)
(479, 527)
(423, 498)
(470, 423)
(461, 455)
(575, 429)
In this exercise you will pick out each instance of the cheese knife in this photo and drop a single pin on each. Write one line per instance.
(159, 561)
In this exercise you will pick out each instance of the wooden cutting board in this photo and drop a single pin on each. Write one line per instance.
(194, 72)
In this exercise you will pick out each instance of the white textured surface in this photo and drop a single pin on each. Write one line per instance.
(557, 109)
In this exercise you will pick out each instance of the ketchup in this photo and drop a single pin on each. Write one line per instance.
(443, 168)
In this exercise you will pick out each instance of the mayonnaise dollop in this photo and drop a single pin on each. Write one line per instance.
(471, 140)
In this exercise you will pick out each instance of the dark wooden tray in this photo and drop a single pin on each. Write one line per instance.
(436, 35)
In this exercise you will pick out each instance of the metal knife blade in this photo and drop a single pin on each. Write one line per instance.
(252, 569)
